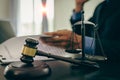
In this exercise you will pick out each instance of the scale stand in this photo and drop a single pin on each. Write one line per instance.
(83, 35)
(72, 50)
(83, 59)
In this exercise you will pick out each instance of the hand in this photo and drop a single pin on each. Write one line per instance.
(79, 5)
(61, 38)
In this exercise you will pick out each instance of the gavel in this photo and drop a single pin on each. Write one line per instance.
(30, 51)
(29, 69)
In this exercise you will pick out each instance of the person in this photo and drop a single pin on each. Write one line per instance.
(106, 16)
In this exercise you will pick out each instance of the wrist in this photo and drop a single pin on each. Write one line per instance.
(78, 8)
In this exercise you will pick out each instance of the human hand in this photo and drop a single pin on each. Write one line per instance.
(79, 5)
(61, 38)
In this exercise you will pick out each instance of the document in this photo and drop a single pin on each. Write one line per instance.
(11, 50)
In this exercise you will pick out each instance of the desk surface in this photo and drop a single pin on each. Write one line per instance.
(63, 71)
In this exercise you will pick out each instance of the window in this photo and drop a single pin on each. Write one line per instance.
(32, 19)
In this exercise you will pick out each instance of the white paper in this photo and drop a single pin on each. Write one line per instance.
(12, 48)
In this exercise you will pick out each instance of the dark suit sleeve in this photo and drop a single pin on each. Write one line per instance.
(110, 38)
(109, 35)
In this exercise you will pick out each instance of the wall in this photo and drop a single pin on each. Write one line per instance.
(63, 11)
(4, 9)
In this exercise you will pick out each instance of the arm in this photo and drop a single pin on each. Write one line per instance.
(61, 38)
(77, 11)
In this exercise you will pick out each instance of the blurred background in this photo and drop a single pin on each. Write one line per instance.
(33, 17)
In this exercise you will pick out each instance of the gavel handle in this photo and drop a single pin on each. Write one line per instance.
(70, 60)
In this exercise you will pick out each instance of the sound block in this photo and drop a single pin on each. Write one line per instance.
(22, 71)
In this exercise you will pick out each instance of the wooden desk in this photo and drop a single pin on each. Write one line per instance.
(63, 71)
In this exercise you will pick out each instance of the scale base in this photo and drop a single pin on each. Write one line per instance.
(86, 65)
(20, 70)
(74, 51)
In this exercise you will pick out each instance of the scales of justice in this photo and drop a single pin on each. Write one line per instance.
(28, 68)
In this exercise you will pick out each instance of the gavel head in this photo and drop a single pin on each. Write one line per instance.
(29, 50)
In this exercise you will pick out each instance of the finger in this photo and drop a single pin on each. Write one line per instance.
(59, 44)
(53, 33)
(42, 40)
(57, 39)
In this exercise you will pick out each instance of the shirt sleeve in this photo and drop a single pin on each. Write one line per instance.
(76, 16)
(89, 41)
(89, 45)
